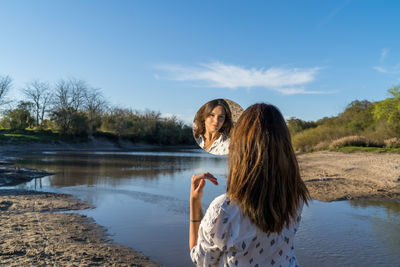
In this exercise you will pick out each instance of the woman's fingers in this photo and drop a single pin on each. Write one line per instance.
(210, 177)
(201, 185)
(198, 177)
(198, 183)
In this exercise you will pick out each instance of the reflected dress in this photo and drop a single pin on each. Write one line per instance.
(219, 147)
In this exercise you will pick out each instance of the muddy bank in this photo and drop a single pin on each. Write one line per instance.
(32, 234)
(12, 175)
(338, 176)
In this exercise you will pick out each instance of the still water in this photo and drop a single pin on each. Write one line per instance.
(142, 200)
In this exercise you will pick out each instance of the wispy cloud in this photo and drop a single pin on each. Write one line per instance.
(331, 15)
(380, 69)
(391, 70)
(395, 69)
(384, 54)
(294, 91)
(216, 74)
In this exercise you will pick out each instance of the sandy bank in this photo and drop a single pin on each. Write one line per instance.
(31, 234)
(337, 176)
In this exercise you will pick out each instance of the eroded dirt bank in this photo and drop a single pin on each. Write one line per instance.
(337, 176)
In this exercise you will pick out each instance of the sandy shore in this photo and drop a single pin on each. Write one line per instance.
(33, 234)
(338, 176)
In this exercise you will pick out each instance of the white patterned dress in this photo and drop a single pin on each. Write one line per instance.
(219, 147)
(227, 238)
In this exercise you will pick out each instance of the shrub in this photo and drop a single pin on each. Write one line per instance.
(324, 145)
(306, 140)
(296, 125)
(392, 142)
(355, 140)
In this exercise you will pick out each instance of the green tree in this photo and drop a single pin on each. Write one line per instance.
(357, 116)
(19, 118)
(94, 106)
(119, 121)
(388, 110)
(79, 123)
(68, 106)
(296, 125)
(71, 121)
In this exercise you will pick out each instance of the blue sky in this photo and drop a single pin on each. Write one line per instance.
(309, 58)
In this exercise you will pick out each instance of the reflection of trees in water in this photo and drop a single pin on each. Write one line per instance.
(92, 169)
(391, 207)
(386, 228)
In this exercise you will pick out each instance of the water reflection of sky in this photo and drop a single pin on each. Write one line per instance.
(342, 232)
(142, 199)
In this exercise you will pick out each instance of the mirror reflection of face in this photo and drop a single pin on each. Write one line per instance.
(213, 124)
(215, 120)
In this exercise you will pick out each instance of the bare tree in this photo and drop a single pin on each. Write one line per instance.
(69, 102)
(79, 90)
(5, 86)
(95, 104)
(70, 94)
(40, 95)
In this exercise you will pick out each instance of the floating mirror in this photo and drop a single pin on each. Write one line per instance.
(213, 124)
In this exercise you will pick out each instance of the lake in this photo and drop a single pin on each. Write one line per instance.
(142, 198)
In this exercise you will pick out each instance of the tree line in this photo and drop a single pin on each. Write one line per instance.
(73, 107)
(362, 123)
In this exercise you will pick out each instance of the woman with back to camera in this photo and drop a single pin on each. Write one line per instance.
(255, 222)
(212, 127)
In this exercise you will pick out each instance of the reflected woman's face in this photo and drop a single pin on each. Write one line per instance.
(215, 119)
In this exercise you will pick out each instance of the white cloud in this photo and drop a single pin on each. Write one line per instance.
(293, 91)
(392, 70)
(331, 15)
(216, 74)
(395, 69)
(384, 54)
(380, 69)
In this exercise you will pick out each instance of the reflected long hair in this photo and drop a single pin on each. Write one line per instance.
(205, 111)
(264, 176)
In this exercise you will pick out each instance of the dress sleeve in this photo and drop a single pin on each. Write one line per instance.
(212, 240)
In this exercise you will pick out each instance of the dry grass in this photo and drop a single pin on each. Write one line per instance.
(324, 145)
(392, 142)
(306, 140)
(355, 140)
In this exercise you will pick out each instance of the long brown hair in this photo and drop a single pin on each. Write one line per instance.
(205, 111)
(264, 177)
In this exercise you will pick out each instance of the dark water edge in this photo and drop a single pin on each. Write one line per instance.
(142, 199)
